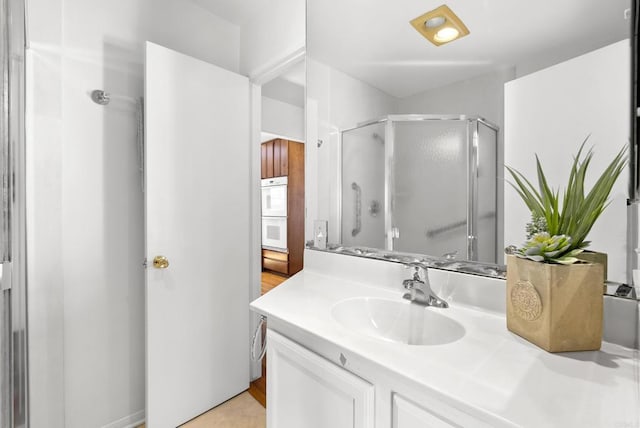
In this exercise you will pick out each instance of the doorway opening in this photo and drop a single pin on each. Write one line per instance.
(282, 170)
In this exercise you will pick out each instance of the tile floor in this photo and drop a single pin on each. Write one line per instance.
(242, 411)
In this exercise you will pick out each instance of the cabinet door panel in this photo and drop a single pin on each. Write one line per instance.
(263, 160)
(269, 159)
(435, 414)
(305, 390)
(276, 159)
(284, 157)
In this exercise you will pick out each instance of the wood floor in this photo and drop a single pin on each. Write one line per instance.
(271, 280)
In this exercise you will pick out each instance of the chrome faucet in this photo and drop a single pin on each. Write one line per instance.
(420, 291)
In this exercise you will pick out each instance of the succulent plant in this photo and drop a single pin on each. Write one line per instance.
(543, 247)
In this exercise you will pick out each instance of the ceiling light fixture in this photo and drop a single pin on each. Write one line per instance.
(440, 26)
(434, 22)
(446, 34)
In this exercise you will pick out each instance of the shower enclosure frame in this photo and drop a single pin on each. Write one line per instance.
(13, 279)
(472, 160)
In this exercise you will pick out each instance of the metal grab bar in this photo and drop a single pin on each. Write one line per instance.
(452, 226)
(358, 209)
(263, 319)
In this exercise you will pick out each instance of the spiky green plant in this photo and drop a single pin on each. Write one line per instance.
(578, 212)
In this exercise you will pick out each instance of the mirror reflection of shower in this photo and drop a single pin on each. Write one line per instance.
(363, 154)
(429, 158)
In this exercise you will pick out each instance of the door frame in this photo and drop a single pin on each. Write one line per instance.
(256, 80)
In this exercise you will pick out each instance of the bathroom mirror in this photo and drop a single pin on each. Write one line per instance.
(412, 137)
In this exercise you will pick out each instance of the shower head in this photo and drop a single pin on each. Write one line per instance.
(377, 136)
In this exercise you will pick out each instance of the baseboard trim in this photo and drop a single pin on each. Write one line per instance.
(131, 421)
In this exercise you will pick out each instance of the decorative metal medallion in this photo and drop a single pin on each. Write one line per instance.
(526, 301)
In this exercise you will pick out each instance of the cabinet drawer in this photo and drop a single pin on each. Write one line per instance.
(275, 255)
(275, 265)
(435, 414)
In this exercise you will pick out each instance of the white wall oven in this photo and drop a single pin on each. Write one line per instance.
(274, 213)
(274, 233)
(274, 197)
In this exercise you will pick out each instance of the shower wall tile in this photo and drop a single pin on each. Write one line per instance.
(44, 239)
(102, 250)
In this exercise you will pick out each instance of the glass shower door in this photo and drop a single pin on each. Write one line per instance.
(362, 187)
(13, 306)
(429, 179)
(486, 229)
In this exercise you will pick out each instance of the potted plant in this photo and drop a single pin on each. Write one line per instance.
(554, 299)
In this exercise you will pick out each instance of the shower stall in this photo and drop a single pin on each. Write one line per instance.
(422, 184)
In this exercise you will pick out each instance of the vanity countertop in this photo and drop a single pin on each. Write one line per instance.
(489, 369)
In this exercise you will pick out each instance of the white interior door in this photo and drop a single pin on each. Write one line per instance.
(197, 216)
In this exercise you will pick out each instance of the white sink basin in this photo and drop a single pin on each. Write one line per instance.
(399, 322)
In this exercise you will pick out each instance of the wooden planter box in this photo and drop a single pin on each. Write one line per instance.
(595, 257)
(556, 307)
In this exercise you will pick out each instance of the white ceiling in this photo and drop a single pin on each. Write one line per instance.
(296, 74)
(372, 40)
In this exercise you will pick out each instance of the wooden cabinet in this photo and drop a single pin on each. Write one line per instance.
(275, 261)
(305, 390)
(280, 157)
(275, 158)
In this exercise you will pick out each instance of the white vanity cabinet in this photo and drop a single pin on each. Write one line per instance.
(327, 373)
(305, 390)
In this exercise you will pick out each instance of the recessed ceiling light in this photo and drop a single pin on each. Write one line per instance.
(440, 26)
(446, 34)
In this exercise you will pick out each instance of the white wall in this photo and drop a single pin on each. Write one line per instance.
(85, 213)
(340, 102)
(283, 119)
(272, 34)
(550, 113)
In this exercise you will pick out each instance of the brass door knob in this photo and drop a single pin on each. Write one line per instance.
(160, 262)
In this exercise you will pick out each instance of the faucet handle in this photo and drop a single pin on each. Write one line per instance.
(416, 274)
(409, 284)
